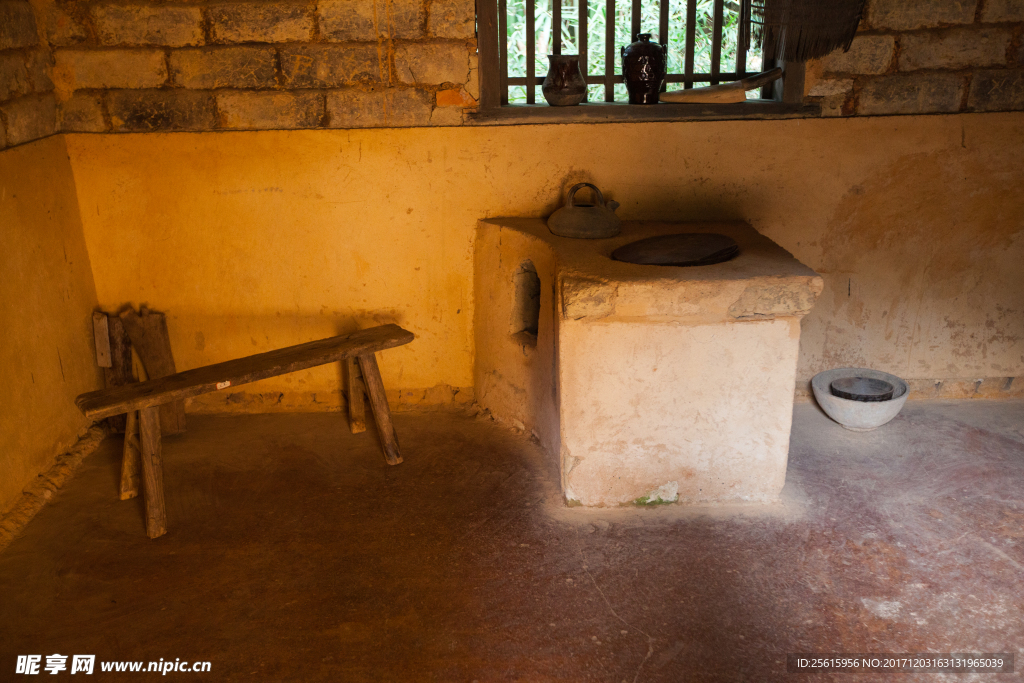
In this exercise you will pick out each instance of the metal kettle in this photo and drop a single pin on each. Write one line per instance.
(585, 221)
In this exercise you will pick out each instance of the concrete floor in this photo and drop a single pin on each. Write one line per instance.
(296, 554)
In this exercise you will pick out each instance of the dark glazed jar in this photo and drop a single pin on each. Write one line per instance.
(643, 64)
(564, 85)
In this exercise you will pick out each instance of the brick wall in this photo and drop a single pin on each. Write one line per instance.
(101, 66)
(253, 65)
(927, 56)
(27, 103)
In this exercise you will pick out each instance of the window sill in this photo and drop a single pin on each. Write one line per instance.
(612, 112)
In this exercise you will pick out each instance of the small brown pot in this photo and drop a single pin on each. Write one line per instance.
(564, 85)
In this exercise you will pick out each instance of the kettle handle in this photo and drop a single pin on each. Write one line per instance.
(597, 193)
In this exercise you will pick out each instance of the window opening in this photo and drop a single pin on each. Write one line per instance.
(707, 43)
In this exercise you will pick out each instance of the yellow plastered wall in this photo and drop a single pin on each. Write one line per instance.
(46, 302)
(251, 241)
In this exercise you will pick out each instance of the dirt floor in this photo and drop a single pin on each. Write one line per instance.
(295, 554)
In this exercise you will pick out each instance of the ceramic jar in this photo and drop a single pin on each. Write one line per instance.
(643, 64)
(564, 85)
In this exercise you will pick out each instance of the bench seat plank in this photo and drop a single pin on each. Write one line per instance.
(119, 400)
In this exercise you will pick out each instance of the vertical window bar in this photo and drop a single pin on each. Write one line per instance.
(581, 39)
(741, 61)
(716, 42)
(556, 27)
(663, 31)
(487, 28)
(741, 43)
(531, 52)
(503, 57)
(635, 28)
(691, 41)
(609, 51)
(766, 64)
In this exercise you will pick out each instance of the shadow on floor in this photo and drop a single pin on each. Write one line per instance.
(295, 554)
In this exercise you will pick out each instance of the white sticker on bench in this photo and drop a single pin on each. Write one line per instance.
(223, 385)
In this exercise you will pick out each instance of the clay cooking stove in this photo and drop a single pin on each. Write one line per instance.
(650, 383)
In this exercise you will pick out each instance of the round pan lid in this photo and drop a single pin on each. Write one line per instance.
(864, 389)
(683, 249)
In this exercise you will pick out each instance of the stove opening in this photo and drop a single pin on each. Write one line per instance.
(526, 306)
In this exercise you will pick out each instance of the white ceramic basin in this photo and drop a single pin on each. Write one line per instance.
(858, 415)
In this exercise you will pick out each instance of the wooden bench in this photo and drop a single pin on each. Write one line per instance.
(147, 397)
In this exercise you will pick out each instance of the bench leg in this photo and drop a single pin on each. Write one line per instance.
(152, 472)
(356, 402)
(130, 459)
(379, 405)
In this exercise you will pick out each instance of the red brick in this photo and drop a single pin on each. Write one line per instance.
(911, 94)
(224, 67)
(13, 75)
(62, 29)
(911, 14)
(38, 64)
(997, 90)
(244, 110)
(82, 113)
(452, 19)
(867, 55)
(455, 97)
(124, 68)
(262, 22)
(432, 63)
(30, 118)
(384, 108)
(346, 20)
(1002, 10)
(161, 110)
(446, 116)
(834, 95)
(954, 49)
(327, 66)
(148, 25)
(17, 25)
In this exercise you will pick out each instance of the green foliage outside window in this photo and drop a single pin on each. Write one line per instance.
(597, 9)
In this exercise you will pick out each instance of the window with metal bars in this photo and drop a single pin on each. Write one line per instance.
(705, 39)
(707, 46)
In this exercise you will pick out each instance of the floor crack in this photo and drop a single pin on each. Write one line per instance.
(650, 640)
